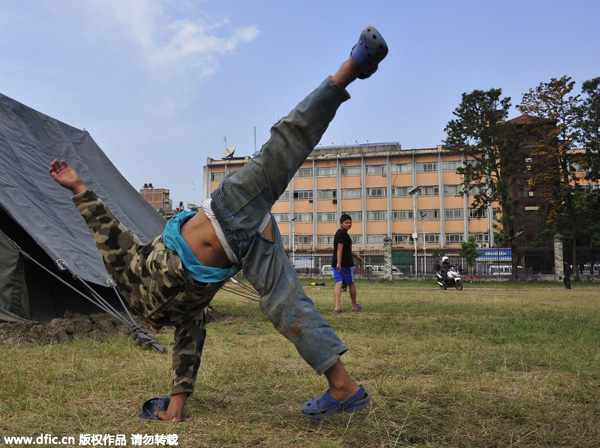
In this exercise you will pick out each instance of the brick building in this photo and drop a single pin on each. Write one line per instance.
(159, 199)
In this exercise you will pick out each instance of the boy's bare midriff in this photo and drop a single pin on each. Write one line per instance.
(200, 235)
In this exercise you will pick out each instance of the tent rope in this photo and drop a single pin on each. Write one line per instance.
(140, 336)
(236, 292)
(247, 291)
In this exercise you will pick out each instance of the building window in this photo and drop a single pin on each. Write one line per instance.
(217, 177)
(356, 216)
(303, 240)
(430, 214)
(399, 192)
(327, 217)
(430, 190)
(401, 168)
(377, 215)
(402, 215)
(590, 186)
(452, 165)
(377, 192)
(478, 213)
(303, 195)
(281, 217)
(481, 238)
(375, 238)
(285, 239)
(576, 167)
(528, 194)
(325, 240)
(378, 170)
(432, 238)
(326, 194)
(453, 213)
(327, 171)
(351, 193)
(351, 170)
(427, 167)
(452, 190)
(285, 196)
(454, 238)
(304, 172)
(401, 238)
(356, 239)
(303, 217)
(474, 190)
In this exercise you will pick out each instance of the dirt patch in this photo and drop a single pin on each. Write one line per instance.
(97, 327)
(73, 326)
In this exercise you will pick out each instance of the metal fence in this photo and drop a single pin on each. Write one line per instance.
(533, 263)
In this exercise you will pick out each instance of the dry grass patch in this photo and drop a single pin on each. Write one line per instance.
(481, 367)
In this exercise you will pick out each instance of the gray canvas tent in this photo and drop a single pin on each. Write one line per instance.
(39, 221)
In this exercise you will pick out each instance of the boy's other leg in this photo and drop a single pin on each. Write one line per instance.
(337, 297)
(352, 291)
(245, 196)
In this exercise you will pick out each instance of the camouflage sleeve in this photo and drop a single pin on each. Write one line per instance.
(187, 352)
(116, 244)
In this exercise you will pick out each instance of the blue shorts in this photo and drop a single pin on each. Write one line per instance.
(346, 275)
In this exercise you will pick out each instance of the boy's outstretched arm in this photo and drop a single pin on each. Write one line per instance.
(66, 176)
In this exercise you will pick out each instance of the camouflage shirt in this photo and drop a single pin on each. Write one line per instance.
(152, 279)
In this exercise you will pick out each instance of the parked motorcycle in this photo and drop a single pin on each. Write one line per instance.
(453, 280)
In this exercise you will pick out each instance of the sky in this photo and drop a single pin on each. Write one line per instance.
(162, 85)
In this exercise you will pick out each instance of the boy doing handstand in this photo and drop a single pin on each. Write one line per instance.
(171, 279)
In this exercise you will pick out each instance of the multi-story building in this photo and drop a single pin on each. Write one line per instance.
(531, 201)
(159, 199)
(411, 196)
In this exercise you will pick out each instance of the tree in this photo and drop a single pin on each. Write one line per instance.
(589, 125)
(555, 132)
(588, 218)
(491, 147)
(468, 250)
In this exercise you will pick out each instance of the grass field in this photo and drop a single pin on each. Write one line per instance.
(494, 365)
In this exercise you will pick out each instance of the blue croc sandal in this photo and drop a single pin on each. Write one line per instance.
(369, 51)
(325, 405)
(154, 405)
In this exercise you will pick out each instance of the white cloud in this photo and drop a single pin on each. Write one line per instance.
(138, 17)
(178, 48)
(197, 44)
(164, 40)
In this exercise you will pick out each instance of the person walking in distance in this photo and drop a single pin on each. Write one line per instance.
(343, 264)
(567, 275)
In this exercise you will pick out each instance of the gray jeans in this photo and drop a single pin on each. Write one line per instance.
(240, 204)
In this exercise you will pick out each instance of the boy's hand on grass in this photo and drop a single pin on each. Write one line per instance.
(174, 412)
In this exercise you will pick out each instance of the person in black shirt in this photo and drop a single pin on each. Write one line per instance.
(567, 276)
(343, 264)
